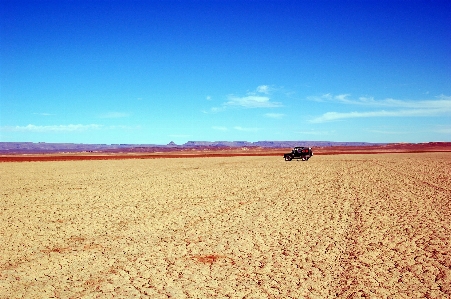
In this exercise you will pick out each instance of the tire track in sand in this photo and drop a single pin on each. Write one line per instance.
(400, 244)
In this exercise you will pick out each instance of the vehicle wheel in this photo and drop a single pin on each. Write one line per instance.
(288, 158)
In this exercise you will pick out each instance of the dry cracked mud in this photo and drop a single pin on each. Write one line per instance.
(344, 226)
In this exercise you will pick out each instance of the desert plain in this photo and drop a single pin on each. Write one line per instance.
(336, 226)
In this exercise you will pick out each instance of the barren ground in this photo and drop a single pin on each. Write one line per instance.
(337, 226)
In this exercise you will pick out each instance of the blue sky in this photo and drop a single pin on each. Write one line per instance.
(158, 71)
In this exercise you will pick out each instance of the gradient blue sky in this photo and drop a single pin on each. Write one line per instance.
(154, 71)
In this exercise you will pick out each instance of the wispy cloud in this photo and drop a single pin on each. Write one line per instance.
(54, 128)
(332, 116)
(252, 101)
(393, 108)
(438, 102)
(263, 89)
(274, 115)
(259, 98)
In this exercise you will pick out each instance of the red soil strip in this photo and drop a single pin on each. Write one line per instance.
(335, 150)
(51, 157)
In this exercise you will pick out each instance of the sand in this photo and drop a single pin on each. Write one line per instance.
(342, 226)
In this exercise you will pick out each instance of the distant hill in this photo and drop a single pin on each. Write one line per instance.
(329, 146)
(28, 151)
(43, 147)
(275, 144)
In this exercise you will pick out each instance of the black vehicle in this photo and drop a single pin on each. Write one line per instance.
(299, 152)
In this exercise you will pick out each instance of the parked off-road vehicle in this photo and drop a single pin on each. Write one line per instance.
(299, 152)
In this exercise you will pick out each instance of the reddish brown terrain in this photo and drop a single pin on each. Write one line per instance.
(226, 152)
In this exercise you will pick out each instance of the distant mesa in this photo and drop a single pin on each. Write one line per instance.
(43, 147)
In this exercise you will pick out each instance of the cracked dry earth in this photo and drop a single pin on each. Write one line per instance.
(344, 226)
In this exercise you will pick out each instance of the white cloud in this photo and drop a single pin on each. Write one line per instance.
(263, 89)
(238, 128)
(442, 102)
(328, 97)
(332, 116)
(438, 102)
(251, 102)
(54, 128)
(256, 99)
(208, 98)
(342, 97)
(274, 115)
(394, 108)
